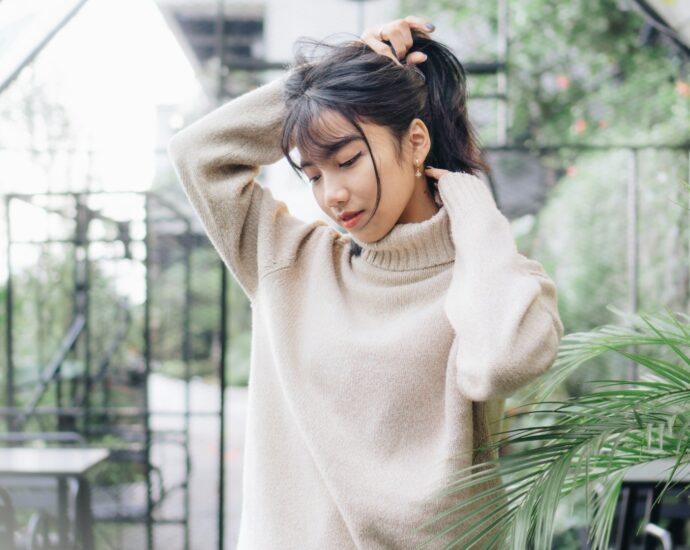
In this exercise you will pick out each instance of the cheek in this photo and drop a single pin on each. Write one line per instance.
(318, 196)
(364, 181)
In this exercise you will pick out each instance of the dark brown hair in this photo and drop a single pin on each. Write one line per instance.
(364, 86)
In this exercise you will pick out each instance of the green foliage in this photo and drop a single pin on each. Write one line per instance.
(579, 74)
(168, 307)
(41, 312)
(593, 438)
(239, 359)
(582, 236)
(577, 71)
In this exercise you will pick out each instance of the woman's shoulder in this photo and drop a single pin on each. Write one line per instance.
(318, 240)
(320, 250)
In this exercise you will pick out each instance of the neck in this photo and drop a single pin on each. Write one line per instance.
(410, 246)
(421, 205)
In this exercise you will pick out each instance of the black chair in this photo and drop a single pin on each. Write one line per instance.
(640, 488)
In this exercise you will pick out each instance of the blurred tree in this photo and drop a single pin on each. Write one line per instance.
(205, 314)
(589, 72)
(578, 71)
(581, 72)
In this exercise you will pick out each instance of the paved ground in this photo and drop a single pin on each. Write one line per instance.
(167, 394)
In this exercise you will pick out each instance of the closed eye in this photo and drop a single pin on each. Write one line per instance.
(352, 160)
(345, 164)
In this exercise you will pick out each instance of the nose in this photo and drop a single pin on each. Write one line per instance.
(336, 192)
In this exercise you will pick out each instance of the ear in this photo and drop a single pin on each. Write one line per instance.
(418, 138)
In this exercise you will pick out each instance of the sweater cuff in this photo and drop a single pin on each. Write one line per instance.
(465, 194)
(481, 234)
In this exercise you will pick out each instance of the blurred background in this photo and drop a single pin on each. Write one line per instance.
(123, 334)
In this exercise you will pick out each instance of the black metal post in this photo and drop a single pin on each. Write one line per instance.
(147, 372)
(86, 266)
(186, 357)
(223, 384)
(633, 247)
(220, 92)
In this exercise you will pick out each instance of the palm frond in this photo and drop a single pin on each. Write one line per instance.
(586, 441)
(639, 330)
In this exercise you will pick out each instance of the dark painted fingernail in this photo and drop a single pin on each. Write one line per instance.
(430, 26)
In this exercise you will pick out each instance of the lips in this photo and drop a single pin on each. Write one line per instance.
(349, 215)
(352, 220)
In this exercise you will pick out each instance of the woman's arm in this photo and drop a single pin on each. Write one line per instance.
(501, 304)
(217, 159)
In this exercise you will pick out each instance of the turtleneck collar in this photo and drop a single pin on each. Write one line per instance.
(412, 245)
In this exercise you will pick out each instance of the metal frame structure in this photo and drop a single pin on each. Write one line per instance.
(74, 413)
(83, 410)
(61, 18)
(499, 68)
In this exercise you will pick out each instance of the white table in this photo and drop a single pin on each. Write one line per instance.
(60, 463)
(657, 471)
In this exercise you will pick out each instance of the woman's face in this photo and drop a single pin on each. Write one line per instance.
(346, 181)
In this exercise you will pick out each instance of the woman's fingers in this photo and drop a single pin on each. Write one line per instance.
(420, 23)
(370, 38)
(435, 173)
(400, 39)
(416, 57)
(398, 33)
(382, 48)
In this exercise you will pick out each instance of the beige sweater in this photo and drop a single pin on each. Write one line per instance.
(372, 377)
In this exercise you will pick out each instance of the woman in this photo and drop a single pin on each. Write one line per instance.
(382, 354)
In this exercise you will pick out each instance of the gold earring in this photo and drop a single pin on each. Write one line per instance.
(418, 173)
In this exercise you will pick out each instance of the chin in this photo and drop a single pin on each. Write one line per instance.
(369, 238)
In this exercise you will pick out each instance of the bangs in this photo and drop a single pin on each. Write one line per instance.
(319, 133)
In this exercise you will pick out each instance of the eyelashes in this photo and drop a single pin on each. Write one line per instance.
(352, 160)
(345, 164)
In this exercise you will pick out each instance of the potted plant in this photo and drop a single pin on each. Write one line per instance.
(589, 441)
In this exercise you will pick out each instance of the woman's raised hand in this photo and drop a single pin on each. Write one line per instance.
(398, 34)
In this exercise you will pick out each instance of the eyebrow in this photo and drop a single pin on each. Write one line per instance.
(333, 148)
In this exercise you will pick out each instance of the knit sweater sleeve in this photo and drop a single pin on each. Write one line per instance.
(501, 304)
(217, 159)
